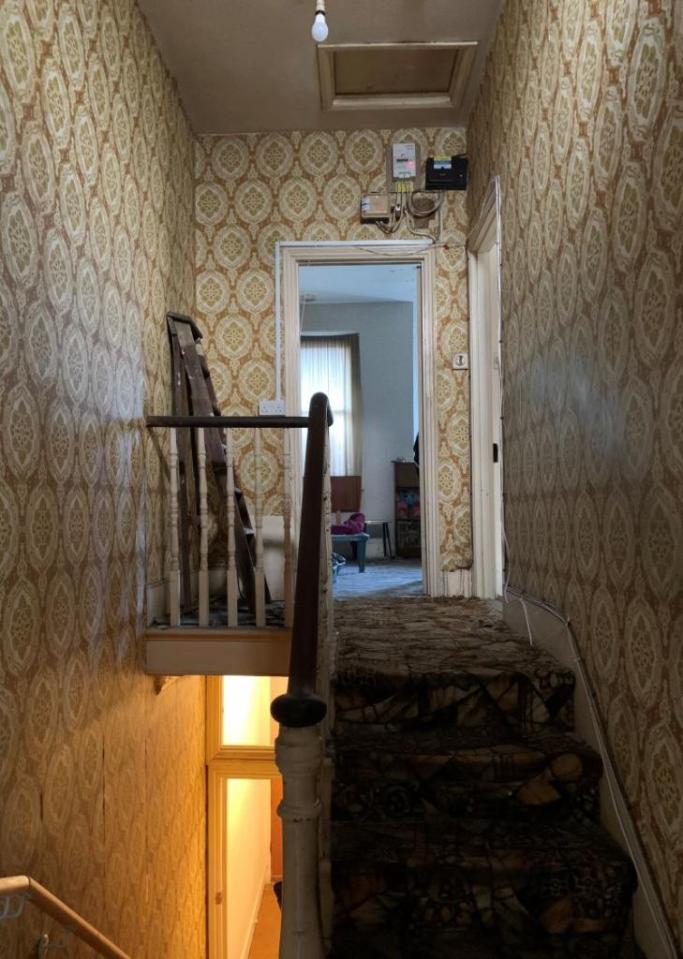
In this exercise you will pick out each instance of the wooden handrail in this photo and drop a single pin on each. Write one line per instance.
(230, 422)
(41, 897)
(300, 706)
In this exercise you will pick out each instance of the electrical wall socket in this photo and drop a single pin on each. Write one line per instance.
(271, 408)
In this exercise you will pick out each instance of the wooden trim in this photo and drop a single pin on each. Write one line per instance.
(47, 902)
(332, 101)
(214, 717)
(197, 653)
(217, 842)
(484, 234)
(401, 251)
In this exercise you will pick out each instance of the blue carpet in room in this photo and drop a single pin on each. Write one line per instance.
(382, 577)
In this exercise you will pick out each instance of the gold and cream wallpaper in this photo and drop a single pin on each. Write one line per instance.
(255, 189)
(581, 115)
(101, 781)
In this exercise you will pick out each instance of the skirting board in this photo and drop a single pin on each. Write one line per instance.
(552, 635)
(459, 583)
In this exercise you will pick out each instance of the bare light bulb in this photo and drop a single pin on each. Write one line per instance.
(319, 30)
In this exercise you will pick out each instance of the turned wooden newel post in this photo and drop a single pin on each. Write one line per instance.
(298, 754)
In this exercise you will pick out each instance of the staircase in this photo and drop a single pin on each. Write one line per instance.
(464, 814)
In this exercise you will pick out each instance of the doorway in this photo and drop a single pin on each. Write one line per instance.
(411, 280)
(488, 530)
(359, 346)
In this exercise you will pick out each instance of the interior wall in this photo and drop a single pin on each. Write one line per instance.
(580, 115)
(255, 189)
(101, 780)
(385, 332)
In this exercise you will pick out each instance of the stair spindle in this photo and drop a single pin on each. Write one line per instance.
(287, 520)
(203, 532)
(174, 577)
(258, 529)
(232, 563)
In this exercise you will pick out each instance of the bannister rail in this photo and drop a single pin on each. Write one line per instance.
(298, 747)
(25, 888)
(300, 706)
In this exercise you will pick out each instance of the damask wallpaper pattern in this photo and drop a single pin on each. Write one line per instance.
(255, 189)
(101, 781)
(581, 115)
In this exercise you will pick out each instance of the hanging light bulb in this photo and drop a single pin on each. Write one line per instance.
(319, 30)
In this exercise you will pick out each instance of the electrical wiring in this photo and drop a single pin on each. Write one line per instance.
(626, 824)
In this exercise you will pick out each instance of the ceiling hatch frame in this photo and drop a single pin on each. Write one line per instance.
(331, 100)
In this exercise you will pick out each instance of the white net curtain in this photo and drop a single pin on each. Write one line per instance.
(331, 364)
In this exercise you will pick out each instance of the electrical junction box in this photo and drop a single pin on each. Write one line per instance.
(446, 173)
(375, 207)
(403, 161)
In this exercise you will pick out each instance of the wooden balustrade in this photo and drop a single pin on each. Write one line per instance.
(307, 608)
(298, 747)
(240, 531)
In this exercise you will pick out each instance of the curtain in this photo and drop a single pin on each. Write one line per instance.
(331, 365)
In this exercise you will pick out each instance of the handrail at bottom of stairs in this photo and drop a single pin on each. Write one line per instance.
(16, 890)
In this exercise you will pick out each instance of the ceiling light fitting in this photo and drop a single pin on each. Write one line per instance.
(319, 30)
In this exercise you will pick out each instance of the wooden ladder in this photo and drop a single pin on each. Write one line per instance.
(194, 395)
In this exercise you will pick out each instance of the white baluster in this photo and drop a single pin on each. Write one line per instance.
(298, 755)
(232, 563)
(174, 577)
(203, 533)
(287, 520)
(258, 529)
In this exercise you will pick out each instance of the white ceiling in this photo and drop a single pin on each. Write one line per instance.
(358, 283)
(250, 65)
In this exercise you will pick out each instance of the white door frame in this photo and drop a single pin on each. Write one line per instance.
(487, 521)
(299, 253)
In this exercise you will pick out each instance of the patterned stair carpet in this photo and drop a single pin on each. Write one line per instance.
(464, 812)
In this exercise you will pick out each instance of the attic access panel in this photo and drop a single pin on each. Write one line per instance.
(393, 75)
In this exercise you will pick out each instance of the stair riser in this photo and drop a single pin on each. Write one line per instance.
(438, 899)
(364, 802)
(513, 703)
(488, 783)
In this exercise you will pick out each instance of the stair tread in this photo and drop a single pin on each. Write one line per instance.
(429, 773)
(448, 839)
(468, 872)
(365, 738)
(399, 943)
(426, 661)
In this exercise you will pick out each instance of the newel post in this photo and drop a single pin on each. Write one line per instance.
(298, 754)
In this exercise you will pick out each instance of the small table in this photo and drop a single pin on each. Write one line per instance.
(358, 543)
(386, 535)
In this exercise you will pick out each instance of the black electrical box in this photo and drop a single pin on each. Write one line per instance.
(446, 173)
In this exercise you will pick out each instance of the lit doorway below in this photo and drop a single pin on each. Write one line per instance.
(359, 327)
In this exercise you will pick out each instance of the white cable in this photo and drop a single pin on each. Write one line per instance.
(626, 824)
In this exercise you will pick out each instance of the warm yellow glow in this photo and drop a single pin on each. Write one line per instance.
(248, 854)
(246, 710)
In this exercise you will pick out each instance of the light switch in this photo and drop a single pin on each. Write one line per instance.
(461, 361)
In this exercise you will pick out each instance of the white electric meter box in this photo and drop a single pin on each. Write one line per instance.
(404, 161)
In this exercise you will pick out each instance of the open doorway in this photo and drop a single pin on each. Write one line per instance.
(359, 344)
(488, 528)
(418, 390)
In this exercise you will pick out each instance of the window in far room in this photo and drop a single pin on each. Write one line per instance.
(330, 364)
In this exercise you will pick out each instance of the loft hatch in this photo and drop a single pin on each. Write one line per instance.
(361, 76)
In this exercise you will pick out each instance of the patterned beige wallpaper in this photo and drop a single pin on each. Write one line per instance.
(255, 189)
(101, 781)
(581, 114)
